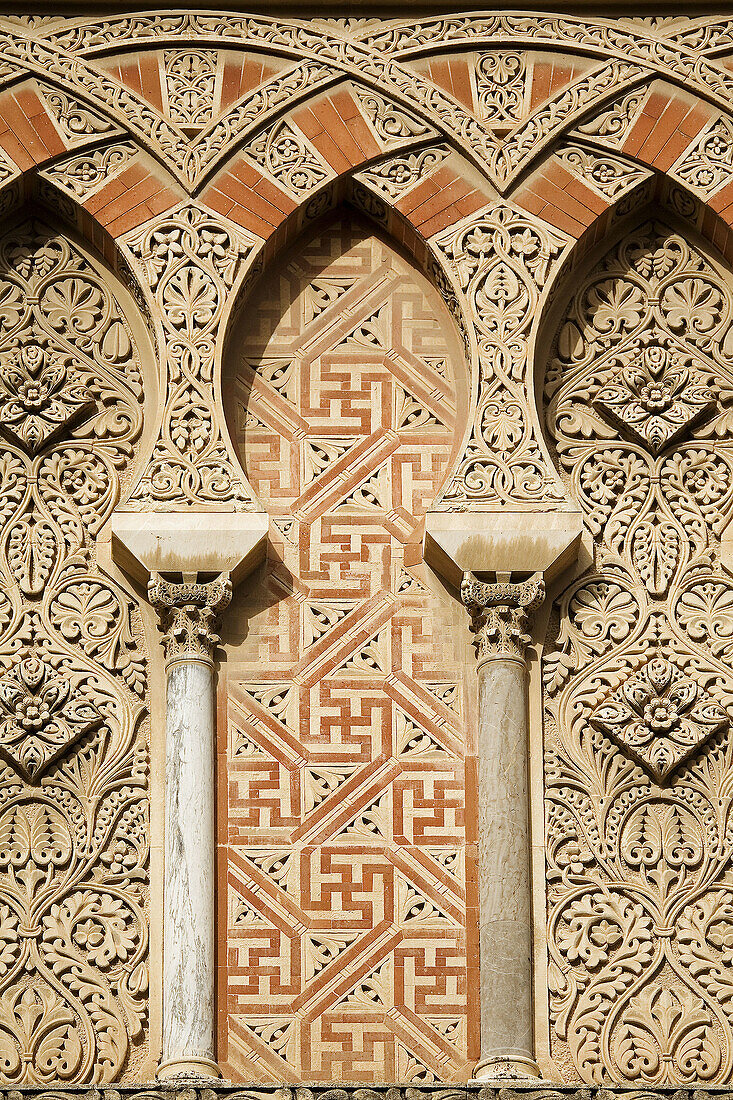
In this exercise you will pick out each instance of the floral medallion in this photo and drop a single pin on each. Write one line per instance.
(42, 712)
(657, 398)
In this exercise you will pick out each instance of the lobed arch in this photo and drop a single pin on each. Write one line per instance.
(442, 194)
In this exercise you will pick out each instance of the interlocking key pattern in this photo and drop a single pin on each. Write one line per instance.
(342, 738)
(638, 687)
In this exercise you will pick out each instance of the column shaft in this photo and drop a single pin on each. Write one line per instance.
(505, 902)
(500, 614)
(188, 933)
(188, 614)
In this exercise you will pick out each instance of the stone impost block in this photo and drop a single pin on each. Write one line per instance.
(501, 541)
(144, 543)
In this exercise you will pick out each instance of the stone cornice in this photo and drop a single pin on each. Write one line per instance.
(328, 8)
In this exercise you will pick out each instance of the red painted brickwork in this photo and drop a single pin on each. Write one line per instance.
(550, 77)
(558, 197)
(337, 128)
(242, 74)
(27, 134)
(130, 199)
(250, 200)
(141, 73)
(441, 200)
(665, 127)
(342, 740)
(453, 75)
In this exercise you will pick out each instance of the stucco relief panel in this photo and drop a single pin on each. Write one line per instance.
(74, 829)
(637, 683)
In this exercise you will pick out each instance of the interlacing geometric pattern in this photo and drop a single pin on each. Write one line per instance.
(637, 669)
(73, 780)
(344, 706)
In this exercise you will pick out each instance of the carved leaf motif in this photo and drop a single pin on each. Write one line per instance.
(38, 1037)
(644, 342)
(666, 1035)
(656, 550)
(32, 552)
(706, 612)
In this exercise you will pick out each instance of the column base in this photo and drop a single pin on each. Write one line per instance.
(198, 1068)
(512, 1067)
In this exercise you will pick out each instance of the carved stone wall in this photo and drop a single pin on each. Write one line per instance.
(638, 687)
(74, 823)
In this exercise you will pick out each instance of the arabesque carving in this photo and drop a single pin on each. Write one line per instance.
(638, 691)
(501, 259)
(73, 687)
(191, 259)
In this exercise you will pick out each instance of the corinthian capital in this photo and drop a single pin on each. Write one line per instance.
(501, 614)
(189, 615)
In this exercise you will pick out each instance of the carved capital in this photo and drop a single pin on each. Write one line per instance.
(501, 613)
(189, 616)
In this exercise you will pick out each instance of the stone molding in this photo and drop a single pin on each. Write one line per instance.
(190, 1089)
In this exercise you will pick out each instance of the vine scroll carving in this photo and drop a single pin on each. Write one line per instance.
(638, 687)
(73, 695)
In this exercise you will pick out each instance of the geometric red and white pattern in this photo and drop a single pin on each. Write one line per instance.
(344, 954)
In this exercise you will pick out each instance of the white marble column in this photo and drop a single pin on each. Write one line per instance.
(188, 614)
(500, 615)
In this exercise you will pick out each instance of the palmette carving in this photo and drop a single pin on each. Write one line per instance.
(191, 259)
(82, 174)
(73, 812)
(284, 154)
(609, 175)
(190, 78)
(638, 691)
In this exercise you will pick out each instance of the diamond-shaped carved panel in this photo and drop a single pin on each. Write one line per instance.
(660, 716)
(658, 398)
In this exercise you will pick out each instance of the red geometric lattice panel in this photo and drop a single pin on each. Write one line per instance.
(342, 739)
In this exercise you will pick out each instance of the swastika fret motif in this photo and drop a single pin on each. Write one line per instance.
(342, 736)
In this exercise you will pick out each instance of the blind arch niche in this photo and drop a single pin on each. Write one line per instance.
(343, 692)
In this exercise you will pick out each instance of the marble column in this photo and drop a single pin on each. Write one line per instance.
(188, 615)
(500, 617)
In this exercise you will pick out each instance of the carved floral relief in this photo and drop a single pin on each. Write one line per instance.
(637, 680)
(73, 773)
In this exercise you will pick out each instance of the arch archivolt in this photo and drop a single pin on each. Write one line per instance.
(272, 175)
